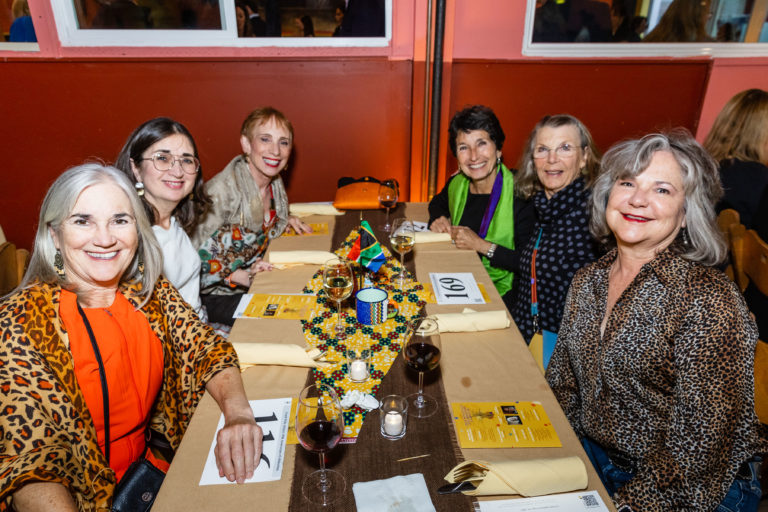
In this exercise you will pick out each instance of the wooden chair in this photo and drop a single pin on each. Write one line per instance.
(727, 219)
(751, 264)
(13, 264)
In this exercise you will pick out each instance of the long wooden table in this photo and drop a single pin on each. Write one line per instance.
(488, 366)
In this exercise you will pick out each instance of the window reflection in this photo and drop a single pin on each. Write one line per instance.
(660, 21)
(148, 14)
(16, 23)
(255, 18)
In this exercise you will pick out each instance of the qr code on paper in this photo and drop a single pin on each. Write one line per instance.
(590, 501)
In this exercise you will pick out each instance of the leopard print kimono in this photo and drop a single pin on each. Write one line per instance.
(47, 431)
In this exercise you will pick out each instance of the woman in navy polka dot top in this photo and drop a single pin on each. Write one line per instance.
(558, 165)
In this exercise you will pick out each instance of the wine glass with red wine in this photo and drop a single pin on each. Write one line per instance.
(421, 352)
(319, 424)
(389, 191)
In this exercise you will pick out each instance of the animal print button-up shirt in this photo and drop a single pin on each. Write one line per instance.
(668, 386)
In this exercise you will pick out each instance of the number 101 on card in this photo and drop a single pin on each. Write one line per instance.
(456, 288)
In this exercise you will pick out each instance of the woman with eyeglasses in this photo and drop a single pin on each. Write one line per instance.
(478, 206)
(556, 170)
(160, 158)
(250, 208)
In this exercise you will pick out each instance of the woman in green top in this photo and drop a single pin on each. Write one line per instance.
(478, 206)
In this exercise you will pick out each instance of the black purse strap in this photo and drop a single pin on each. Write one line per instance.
(103, 377)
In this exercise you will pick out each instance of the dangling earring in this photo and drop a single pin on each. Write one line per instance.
(140, 266)
(498, 161)
(58, 264)
(139, 188)
(686, 241)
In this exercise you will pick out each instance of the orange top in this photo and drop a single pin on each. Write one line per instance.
(133, 360)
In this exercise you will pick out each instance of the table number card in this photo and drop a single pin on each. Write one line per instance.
(273, 418)
(456, 288)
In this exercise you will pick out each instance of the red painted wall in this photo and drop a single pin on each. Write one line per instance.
(350, 117)
(610, 97)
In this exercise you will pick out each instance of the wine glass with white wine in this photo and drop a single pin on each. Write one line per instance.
(402, 238)
(338, 283)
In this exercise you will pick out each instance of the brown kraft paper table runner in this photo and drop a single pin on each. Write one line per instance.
(366, 459)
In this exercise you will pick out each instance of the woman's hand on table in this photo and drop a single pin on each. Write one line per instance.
(243, 277)
(260, 266)
(298, 226)
(465, 238)
(441, 225)
(238, 447)
(238, 443)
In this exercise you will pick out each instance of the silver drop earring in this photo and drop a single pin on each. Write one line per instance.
(139, 188)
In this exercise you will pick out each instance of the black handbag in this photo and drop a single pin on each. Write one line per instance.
(138, 488)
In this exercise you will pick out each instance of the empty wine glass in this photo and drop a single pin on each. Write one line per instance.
(338, 283)
(319, 424)
(421, 352)
(402, 238)
(389, 192)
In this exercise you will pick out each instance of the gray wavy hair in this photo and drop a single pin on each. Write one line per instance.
(58, 205)
(701, 184)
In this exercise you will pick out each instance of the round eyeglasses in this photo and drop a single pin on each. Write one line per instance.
(164, 162)
(564, 150)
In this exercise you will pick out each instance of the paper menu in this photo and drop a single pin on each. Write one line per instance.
(512, 424)
(273, 305)
(586, 501)
(318, 228)
(272, 416)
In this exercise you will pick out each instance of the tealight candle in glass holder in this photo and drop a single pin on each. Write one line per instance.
(393, 413)
(358, 364)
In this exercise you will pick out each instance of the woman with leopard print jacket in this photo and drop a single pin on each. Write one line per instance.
(654, 360)
(93, 297)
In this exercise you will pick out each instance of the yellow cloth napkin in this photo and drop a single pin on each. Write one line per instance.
(306, 257)
(276, 353)
(307, 209)
(427, 237)
(535, 477)
(470, 320)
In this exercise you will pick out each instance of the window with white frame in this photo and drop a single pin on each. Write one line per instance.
(234, 23)
(595, 28)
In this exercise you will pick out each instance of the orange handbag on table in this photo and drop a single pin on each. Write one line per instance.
(357, 194)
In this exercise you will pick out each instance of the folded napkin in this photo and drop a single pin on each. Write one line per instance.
(308, 257)
(307, 209)
(400, 493)
(470, 320)
(276, 353)
(426, 237)
(534, 477)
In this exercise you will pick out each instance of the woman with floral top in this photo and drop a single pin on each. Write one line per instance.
(250, 208)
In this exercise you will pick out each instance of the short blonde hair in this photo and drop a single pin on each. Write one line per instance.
(261, 116)
(741, 128)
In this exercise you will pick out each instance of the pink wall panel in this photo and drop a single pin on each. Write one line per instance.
(728, 77)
